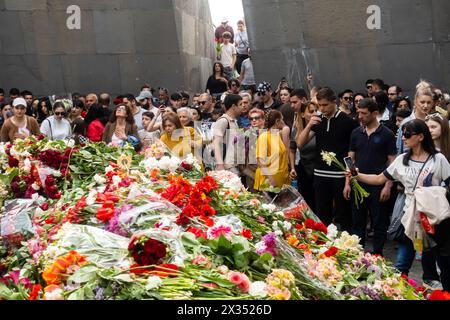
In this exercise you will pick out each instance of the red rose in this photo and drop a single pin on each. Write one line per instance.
(34, 294)
(186, 166)
(247, 233)
(105, 214)
(439, 295)
(331, 252)
(319, 226)
(309, 223)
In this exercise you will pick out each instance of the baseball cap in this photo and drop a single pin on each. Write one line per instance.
(176, 96)
(19, 102)
(264, 87)
(224, 20)
(144, 95)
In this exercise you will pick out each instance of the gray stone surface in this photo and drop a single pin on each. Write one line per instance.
(332, 40)
(121, 45)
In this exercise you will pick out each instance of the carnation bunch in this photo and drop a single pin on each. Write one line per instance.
(146, 251)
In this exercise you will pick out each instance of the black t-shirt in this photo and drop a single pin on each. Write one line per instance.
(274, 106)
(332, 135)
(216, 86)
(372, 151)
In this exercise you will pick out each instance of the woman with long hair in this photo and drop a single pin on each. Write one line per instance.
(440, 132)
(217, 83)
(43, 109)
(422, 165)
(57, 127)
(179, 139)
(120, 126)
(305, 166)
(96, 120)
(19, 126)
(271, 155)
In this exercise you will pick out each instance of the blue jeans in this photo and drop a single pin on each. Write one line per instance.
(405, 255)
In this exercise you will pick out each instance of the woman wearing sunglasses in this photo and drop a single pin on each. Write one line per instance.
(422, 166)
(56, 127)
(19, 126)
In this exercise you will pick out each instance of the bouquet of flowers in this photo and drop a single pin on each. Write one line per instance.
(359, 192)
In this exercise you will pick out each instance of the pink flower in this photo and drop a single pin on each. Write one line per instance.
(261, 219)
(200, 260)
(216, 232)
(245, 284)
(235, 277)
(255, 202)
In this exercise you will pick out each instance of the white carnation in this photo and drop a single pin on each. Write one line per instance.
(287, 225)
(332, 232)
(164, 163)
(99, 179)
(116, 180)
(269, 207)
(153, 282)
(56, 294)
(258, 289)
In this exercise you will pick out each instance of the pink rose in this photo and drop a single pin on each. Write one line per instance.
(235, 277)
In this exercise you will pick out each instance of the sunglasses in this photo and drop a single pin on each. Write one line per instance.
(348, 98)
(60, 113)
(202, 102)
(392, 94)
(255, 118)
(408, 134)
(434, 115)
(234, 85)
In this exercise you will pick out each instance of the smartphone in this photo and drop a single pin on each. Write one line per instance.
(351, 166)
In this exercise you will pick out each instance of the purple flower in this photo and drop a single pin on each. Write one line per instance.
(365, 290)
(114, 226)
(268, 244)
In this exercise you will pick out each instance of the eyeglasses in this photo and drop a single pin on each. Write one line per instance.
(60, 113)
(202, 102)
(261, 93)
(255, 118)
(121, 109)
(234, 85)
(434, 115)
(408, 134)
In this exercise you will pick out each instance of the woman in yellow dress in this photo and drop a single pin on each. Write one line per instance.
(179, 139)
(271, 154)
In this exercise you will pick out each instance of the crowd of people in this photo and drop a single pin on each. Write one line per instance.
(273, 137)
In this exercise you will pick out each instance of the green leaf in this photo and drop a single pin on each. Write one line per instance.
(123, 278)
(84, 274)
(77, 295)
(189, 240)
(351, 281)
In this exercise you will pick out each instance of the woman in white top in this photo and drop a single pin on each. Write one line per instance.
(57, 127)
(424, 166)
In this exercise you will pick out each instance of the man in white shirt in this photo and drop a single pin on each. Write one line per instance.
(228, 55)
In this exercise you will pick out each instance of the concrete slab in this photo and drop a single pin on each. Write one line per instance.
(155, 31)
(84, 4)
(113, 32)
(25, 5)
(86, 73)
(11, 33)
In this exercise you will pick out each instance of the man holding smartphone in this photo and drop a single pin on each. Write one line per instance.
(372, 149)
(332, 129)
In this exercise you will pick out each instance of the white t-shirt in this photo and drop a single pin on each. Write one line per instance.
(242, 44)
(138, 119)
(56, 129)
(227, 54)
(436, 171)
(249, 76)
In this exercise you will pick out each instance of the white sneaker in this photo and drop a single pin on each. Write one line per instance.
(432, 285)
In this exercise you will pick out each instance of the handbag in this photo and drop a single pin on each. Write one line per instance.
(396, 231)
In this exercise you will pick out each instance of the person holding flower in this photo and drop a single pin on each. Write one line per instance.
(332, 130)
(372, 149)
(19, 126)
(422, 165)
(271, 154)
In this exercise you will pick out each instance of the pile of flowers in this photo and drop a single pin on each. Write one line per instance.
(96, 222)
